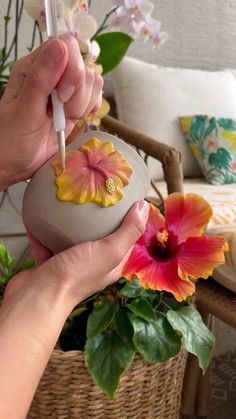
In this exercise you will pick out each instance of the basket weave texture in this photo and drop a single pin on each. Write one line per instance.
(147, 391)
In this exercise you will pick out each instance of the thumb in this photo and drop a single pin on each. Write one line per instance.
(39, 252)
(43, 75)
(118, 244)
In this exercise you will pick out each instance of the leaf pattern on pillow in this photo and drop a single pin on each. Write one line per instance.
(213, 143)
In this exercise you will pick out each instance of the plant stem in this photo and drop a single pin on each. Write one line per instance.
(40, 33)
(167, 305)
(16, 29)
(33, 36)
(159, 302)
(15, 36)
(103, 24)
(6, 28)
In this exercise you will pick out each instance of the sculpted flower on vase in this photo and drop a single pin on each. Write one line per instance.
(172, 252)
(94, 173)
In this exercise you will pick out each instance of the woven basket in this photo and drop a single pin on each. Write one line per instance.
(147, 391)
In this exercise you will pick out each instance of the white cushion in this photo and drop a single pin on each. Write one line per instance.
(151, 98)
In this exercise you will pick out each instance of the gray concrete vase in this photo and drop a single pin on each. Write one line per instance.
(60, 225)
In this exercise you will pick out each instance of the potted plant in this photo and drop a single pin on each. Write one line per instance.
(132, 336)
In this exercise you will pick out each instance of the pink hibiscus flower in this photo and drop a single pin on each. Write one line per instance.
(172, 251)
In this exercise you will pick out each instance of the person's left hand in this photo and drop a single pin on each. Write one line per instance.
(27, 135)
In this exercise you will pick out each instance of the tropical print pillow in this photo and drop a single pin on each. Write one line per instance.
(213, 142)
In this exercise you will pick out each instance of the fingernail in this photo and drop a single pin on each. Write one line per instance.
(143, 207)
(54, 53)
(66, 93)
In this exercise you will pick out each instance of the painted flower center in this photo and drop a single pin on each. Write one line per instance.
(109, 183)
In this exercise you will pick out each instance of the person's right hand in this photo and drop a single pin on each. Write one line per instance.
(84, 269)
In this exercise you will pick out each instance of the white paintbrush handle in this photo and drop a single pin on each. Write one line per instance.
(58, 112)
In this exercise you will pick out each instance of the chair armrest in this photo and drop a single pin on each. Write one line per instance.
(169, 157)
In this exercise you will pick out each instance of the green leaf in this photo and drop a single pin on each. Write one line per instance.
(107, 358)
(132, 289)
(77, 312)
(124, 328)
(101, 316)
(114, 46)
(196, 337)
(221, 159)
(5, 258)
(143, 309)
(27, 265)
(7, 18)
(155, 300)
(155, 341)
(211, 127)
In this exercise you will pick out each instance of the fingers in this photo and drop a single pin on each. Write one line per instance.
(86, 97)
(79, 88)
(39, 252)
(96, 95)
(43, 75)
(116, 246)
(74, 75)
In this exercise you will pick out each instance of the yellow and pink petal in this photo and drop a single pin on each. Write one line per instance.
(94, 173)
(186, 215)
(199, 256)
(156, 222)
(138, 260)
(163, 276)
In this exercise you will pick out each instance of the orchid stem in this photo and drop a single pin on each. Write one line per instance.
(103, 24)
(15, 37)
(7, 17)
(33, 37)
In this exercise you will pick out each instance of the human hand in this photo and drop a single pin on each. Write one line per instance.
(27, 135)
(84, 269)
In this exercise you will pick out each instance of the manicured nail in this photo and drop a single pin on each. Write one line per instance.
(66, 93)
(143, 207)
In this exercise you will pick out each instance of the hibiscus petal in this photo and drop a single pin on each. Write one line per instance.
(186, 215)
(163, 276)
(138, 259)
(199, 256)
(155, 222)
(115, 165)
(96, 150)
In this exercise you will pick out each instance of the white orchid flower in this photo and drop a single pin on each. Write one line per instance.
(137, 9)
(150, 30)
(82, 25)
(73, 17)
(35, 8)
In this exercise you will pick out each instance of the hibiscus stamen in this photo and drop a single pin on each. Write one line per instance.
(162, 236)
(110, 183)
